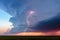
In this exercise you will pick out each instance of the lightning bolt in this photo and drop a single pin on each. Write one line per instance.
(28, 21)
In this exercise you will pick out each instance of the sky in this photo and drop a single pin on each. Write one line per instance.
(4, 21)
(44, 19)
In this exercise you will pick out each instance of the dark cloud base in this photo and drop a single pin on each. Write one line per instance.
(47, 25)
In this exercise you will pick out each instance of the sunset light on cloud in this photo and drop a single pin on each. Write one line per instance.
(54, 33)
(30, 17)
(5, 25)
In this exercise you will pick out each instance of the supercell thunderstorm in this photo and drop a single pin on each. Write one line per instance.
(32, 15)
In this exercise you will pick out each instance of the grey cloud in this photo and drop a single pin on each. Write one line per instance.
(45, 9)
(47, 25)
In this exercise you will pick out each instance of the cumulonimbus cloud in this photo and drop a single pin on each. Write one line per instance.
(45, 10)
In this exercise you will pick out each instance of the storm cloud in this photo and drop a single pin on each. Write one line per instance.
(52, 24)
(44, 19)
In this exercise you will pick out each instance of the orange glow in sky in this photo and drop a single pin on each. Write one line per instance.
(54, 33)
(4, 27)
